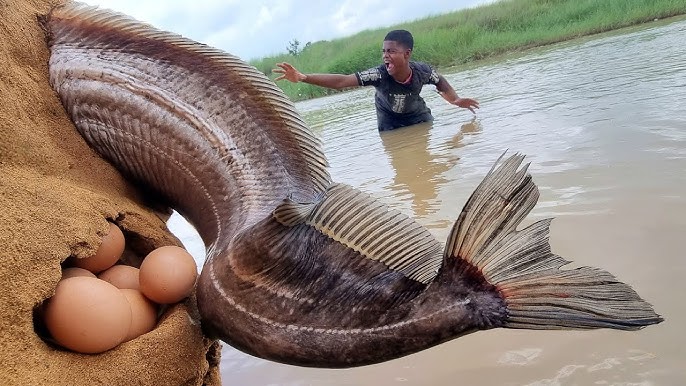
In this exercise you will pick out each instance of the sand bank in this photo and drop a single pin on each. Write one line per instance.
(56, 195)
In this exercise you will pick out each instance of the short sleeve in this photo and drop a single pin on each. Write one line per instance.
(433, 77)
(370, 77)
(427, 73)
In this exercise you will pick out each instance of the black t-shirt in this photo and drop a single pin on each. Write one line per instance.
(397, 104)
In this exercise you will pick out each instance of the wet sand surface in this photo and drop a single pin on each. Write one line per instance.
(56, 198)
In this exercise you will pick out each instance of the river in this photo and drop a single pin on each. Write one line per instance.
(602, 120)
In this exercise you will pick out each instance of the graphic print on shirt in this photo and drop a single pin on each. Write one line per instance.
(371, 75)
(433, 78)
(398, 104)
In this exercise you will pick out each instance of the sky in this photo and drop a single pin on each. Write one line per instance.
(253, 29)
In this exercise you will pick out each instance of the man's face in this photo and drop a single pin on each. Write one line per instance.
(395, 56)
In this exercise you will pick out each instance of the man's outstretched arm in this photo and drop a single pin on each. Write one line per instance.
(336, 81)
(449, 94)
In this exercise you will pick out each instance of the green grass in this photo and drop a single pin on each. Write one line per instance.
(472, 34)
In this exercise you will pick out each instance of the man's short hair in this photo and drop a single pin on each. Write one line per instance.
(401, 36)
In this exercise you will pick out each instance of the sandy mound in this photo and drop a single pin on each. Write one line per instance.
(56, 196)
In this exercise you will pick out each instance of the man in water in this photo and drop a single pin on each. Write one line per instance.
(398, 82)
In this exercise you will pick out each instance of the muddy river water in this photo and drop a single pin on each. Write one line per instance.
(603, 122)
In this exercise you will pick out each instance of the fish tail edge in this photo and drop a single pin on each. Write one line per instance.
(520, 266)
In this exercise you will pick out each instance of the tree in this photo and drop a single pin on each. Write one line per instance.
(294, 47)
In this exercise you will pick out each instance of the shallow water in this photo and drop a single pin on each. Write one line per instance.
(603, 122)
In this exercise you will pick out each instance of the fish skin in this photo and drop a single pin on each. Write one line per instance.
(224, 147)
(122, 79)
(336, 308)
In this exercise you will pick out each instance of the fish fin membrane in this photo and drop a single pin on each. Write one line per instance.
(291, 213)
(369, 227)
(520, 264)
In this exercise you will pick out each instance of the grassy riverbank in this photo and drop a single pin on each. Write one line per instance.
(472, 34)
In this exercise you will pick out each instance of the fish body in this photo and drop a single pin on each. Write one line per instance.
(332, 307)
(301, 269)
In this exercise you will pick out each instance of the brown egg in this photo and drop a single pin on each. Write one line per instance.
(143, 313)
(168, 274)
(87, 315)
(108, 253)
(75, 271)
(121, 276)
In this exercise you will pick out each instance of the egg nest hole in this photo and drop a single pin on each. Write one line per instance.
(137, 247)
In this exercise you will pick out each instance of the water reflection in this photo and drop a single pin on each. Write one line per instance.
(420, 168)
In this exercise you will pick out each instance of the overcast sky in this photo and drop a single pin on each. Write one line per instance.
(252, 29)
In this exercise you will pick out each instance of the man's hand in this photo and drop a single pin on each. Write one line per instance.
(466, 103)
(288, 72)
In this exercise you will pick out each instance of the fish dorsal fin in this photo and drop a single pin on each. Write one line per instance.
(368, 226)
(78, 25)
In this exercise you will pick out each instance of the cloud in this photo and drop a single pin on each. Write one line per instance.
(257, 28)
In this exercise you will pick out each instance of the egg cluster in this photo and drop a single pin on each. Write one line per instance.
(99, 304)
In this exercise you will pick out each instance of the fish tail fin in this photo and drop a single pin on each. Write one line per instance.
(520, 266)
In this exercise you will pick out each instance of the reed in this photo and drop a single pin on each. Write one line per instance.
(472, 34)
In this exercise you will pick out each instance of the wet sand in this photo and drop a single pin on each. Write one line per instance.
(56, 196)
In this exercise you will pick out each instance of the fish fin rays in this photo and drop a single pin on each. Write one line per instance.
(369, 227)
(520, 264)
(291, 213)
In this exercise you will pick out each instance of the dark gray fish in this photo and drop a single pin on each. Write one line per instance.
(300, 269)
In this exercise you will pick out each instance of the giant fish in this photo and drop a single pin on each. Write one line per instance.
(301, 269)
